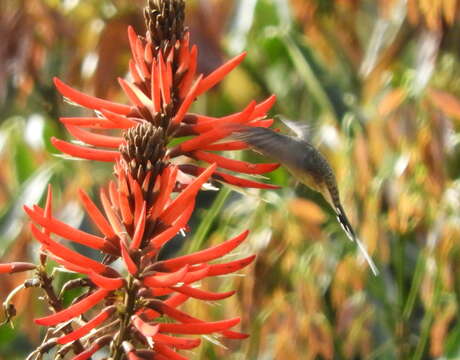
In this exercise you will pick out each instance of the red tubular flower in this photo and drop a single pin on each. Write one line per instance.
(150, 202)
(145, 276)
(165, 82)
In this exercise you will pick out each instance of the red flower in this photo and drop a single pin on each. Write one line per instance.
(145, 278)
(126, 305)
(164, 87)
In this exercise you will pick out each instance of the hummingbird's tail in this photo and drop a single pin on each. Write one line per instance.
(346, 226)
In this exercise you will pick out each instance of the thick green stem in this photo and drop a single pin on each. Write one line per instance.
(125, 315)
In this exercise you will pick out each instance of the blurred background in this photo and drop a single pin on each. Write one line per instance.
(378, 84)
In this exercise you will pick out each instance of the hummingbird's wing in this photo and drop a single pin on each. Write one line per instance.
(302, 131)
(269, 143)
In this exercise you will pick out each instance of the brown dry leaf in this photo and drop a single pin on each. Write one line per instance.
(445, 102)
(391, 101)
(344, 285)
(307, 211)
(440, 328)
(449, 10)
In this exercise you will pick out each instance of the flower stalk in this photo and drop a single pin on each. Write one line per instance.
(135, 311)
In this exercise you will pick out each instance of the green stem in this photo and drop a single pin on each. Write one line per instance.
(207, 221)
(428, 319)
(130, 300)
(413, 292)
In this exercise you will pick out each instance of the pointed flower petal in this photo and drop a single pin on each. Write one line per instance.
(90, 325)
(199, 328)
(85, 152)
(166, 280)
(90, 102)
(73, 310)
(218, 74)
(204, 255)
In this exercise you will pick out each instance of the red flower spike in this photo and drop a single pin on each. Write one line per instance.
(168, 353)
(94, 139)
(234, 165)
(73, 310)
(67, 254)
(140, 227)
(218, 74)
(15, 267)
(88, 122)
(166, 280)
(159, 240)
(199, 328)
(189, 98)
(180, 202)
(121, 122)
(90, 102)
(202, 294)
(68, 232)
(85, 152)
(178, 343)
(204, 255)
(130, 264)
(90, 325)
(96, 216)
(105, 282)
(144, 328)
(230, 267)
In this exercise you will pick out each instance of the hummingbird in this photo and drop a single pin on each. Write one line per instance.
(306, 164)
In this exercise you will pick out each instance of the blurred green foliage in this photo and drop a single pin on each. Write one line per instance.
(376, 81)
